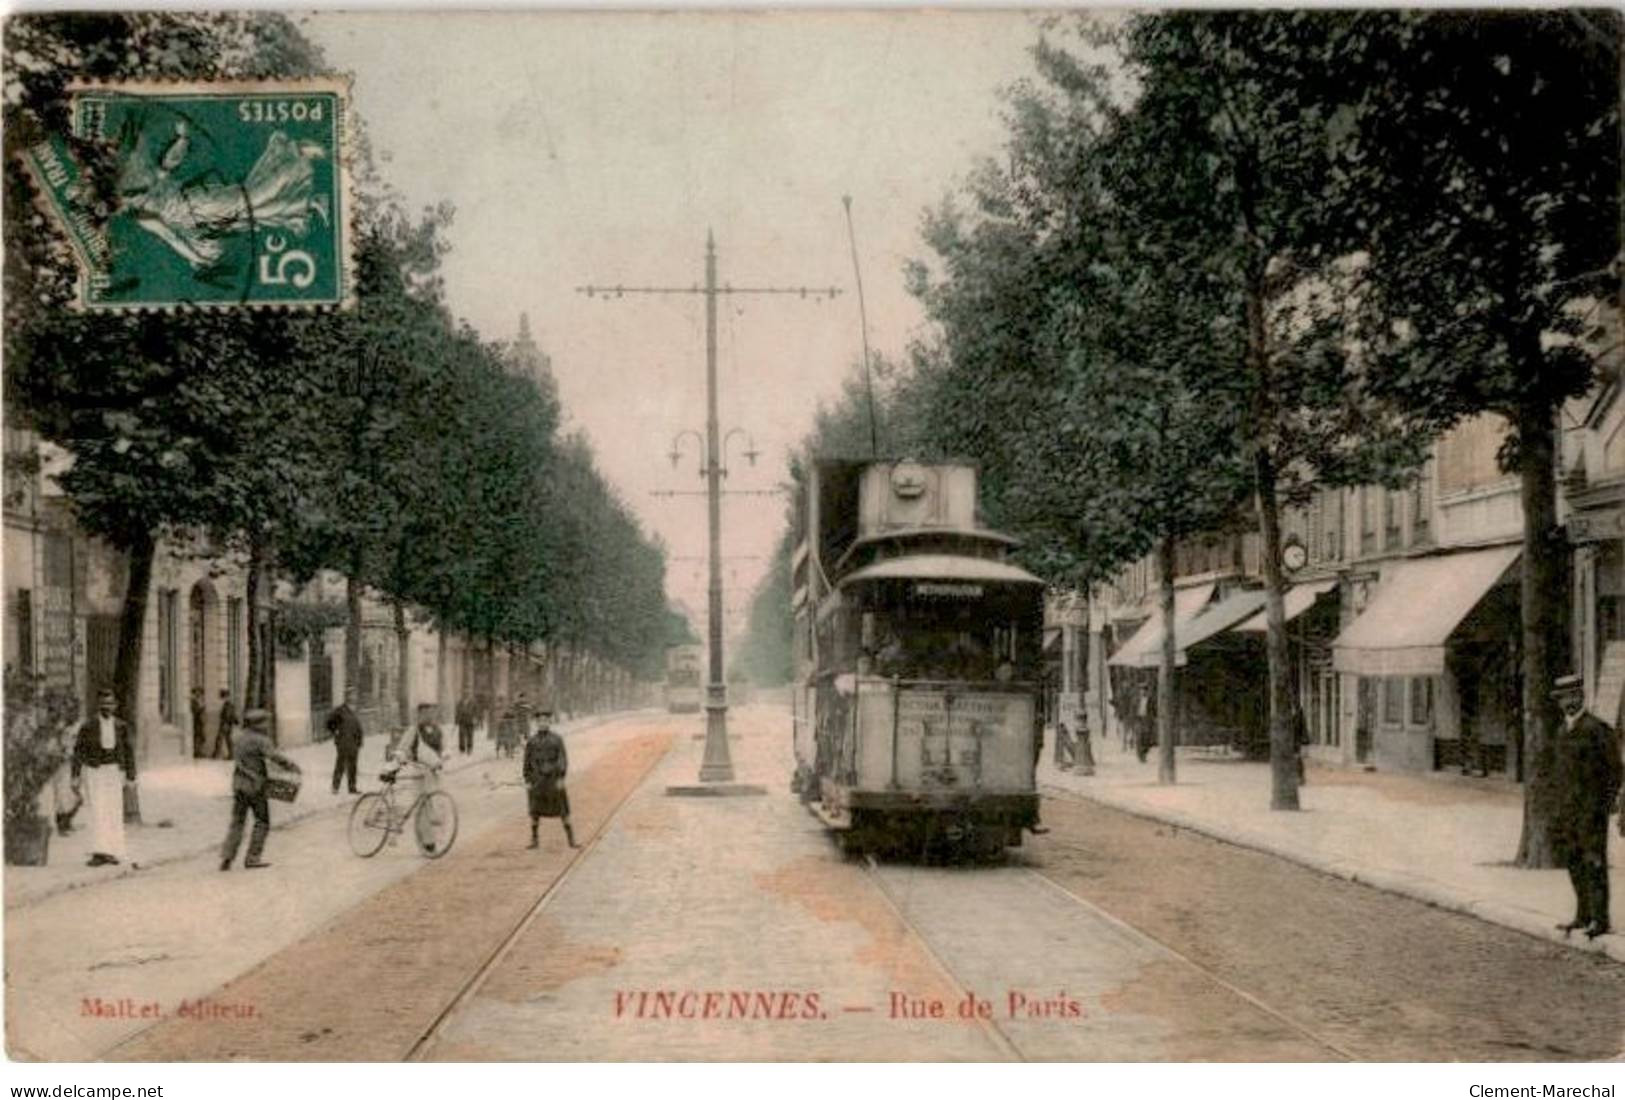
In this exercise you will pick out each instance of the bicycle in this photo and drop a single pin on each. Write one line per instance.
(377, 818)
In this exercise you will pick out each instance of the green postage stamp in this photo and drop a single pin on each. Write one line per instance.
(220, 195)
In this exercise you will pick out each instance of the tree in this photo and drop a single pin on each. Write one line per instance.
(147, 404)
(1220, 170)
(1480, 170)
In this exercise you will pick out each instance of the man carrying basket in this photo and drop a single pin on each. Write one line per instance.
(253, 784)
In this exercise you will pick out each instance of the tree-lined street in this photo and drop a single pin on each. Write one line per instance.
(1231, 470)
(1112, 938)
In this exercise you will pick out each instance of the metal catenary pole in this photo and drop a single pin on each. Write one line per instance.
(716, 765)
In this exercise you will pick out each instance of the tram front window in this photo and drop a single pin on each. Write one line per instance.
(915, 650)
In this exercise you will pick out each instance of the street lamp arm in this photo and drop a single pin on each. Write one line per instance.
(676, 451)
(750, 448)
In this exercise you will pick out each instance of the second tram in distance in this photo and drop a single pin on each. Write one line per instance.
(917, 661)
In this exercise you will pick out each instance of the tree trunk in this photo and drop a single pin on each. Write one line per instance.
(1166, 695)
(403, 663)
(352, 625)
(1283, 744)
(126, 683)
(1283, 732)
(1542, 585)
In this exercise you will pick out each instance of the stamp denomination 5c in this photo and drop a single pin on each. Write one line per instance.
(222, 195)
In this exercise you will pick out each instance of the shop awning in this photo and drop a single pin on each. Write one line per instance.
(1418, 604)
(1299, 598)
(1141, 650)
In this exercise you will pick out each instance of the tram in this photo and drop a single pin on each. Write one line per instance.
(917, 661)
(683, 679)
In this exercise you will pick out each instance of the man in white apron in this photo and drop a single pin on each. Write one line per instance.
(103, 761)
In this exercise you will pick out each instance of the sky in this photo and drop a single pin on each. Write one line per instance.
(601, 148)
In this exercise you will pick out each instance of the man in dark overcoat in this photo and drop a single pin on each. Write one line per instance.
(248, 795)
(546, 764)
(103, 763)
(1587, 779)
(200, 732)
(228, 723)
(466, 717)
(345, 726)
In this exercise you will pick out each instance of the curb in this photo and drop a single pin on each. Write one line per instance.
(1401, 883)
(287, 821)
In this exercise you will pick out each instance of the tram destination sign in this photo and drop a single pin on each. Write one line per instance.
(942, 589)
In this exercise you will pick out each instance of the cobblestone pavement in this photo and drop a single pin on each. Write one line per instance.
(732, 929)
(368, 984)
(1381, 977)
(167, 936)
(744, 898)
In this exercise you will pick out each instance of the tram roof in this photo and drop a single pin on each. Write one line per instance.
(942, 567)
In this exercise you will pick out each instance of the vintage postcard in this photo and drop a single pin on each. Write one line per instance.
(768, 536)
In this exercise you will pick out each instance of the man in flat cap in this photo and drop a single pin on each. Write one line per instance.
(253, 749)
(1587, 778)
(546, 763)
(103, 761)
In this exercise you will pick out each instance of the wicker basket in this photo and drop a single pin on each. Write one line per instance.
(281, 783)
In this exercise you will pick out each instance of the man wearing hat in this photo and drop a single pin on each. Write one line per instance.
(253, 749)
(1586, 779)
(545, 766)
(102, 750)
(345, 726)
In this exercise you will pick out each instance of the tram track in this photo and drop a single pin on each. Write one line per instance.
(413, 975)
(1170, 952)
(943, 909)
(991, 1029)
(470, 988)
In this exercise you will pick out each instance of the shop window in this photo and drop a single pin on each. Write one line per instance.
(1393, 701)
(1421, 700)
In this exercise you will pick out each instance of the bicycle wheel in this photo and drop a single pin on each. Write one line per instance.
(369, 824)
(435, 824)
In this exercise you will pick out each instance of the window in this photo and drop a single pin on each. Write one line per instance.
(1422, 507)
(1368, 519)
(234, 646)
(1421, 701)
(168, 601)
(1393, 701)
(25, 630)
(1390, 519)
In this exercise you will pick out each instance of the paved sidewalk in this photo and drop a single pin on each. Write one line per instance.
(1440, 839)
(186, 805)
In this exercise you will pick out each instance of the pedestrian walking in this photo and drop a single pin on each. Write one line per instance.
(512, 728)
(1083, 757)
(345, 726)
(1146, 735)
(228, 723)
(103, 763)
(200, 731)
(248, 795)
(1587, 780)
(546, 764)
(466, 719)
(1300, 742)
(1065, 753)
